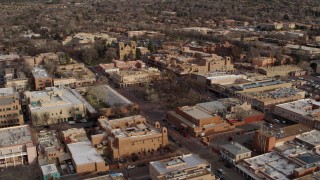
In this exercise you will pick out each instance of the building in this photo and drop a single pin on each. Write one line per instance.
(188, 166)
(282, 70)
(113, 176)
(117, 66)
(291, 159)
(234, 152)
(199, 120)
(85, 157)
(265, 99)
(41, 78)
(74, 75)
(17, 80)
(40, 58)
(201, 30)
(10, 108)
(311, 52)
(131, 77)
(50, 172)
(87, 38)
(126, 51)
(17, 146)
(49, 147)
(265, 139)
(263, 61)
(310, 140)
(304, 111)
(133, 131)
(53, 105)
(221, 78)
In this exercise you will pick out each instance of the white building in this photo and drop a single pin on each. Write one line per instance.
(233, 152)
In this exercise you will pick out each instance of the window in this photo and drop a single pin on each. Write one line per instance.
(10, 150)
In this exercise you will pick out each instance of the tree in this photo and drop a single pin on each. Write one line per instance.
(89, 56)
(314, 66)
(45, 117)
(151, 47)
(286, 17)
(138, 53)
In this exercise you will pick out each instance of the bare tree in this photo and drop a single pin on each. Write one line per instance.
(35, 119)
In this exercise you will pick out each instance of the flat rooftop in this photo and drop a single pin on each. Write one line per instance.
(49, 169)
(292, 130)
(303, 106)
(195, 112)
(6, 91)
(273, 165)
(281, 68)
(51, 98)
(235, 148)
(258, 84)
(39, 72)
(15, 135)
(128, 127)
(177, 163)
(274, 94)
(311, 138)
(83, 153)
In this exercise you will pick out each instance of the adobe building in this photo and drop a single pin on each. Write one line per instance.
(85, 158)
(263, 61)
(41, 78)
(10, 108)
(304, 111)
(17, 146)
(49, 147)
(127, 50)
(266, 140)
(131, 77)
(188, 166)
(74, 75)
(17, 80)
(282, 70)
(133, 132)
(53, 105)
(198, 121)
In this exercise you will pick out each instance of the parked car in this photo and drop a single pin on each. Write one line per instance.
(131, 167)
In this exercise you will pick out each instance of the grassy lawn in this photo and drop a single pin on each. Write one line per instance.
(95, 103)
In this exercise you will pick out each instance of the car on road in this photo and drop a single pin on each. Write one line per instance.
(142, 165)
(83, 120)
(186, 135)
(71, 122)
(102, 173)
(228, 165)
(131, 167)
(221, 171)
